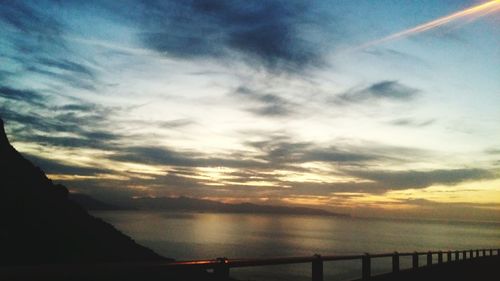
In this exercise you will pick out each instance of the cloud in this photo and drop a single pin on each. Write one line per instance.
(388, 180)
(272, 154)
(97, 140)
(4, 75)
(30, 29)
(177, 123)
(77, 107)
(153, 155)
(266, 104)
(55, 167)
(37, 45)
(72, 125)
(25, 18)
(28, 96)
(493, 151)
(383, 90)
(408, 122)
(271, 33)
(336, 155)
(387, 53)
(76, 81)
(282, 151)
(67, 65)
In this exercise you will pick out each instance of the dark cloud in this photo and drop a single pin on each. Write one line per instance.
(37, 43)
(27, 96)
(4, 75)
(408, 122)
(97, 140)
(493, 151)
(391, 90)
(85, 123)
(29, 121)
(76, 81)
(386, 53)
(153, 155)
(420, 179)
(265, 104)
(268, 32)
(53, 123)
(281, 150)
(55, 167)
(77, 107)
(30, 30)
(379, 182)
(335, 155)
(67, 65)
(27, 19)
(177, 123)
(383, 90)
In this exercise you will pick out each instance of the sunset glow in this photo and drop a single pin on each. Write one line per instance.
(258, 101)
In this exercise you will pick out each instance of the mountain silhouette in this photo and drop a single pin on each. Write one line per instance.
(203, 205)
(40, 225)
(189, 204)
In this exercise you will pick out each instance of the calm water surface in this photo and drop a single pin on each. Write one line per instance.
(185, 236)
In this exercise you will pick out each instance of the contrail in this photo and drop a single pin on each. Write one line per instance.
(475, 12)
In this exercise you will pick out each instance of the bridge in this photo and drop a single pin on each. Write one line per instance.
(447, 265)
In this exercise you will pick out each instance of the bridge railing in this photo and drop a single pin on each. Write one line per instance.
(221, 266)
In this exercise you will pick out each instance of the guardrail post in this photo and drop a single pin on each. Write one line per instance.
(448, 256)
(415, 260)
(429, 259)
(491, 252)
(457, 256)
(366, 267)
(464, 255)
(395, 262)
(221, 270)
(440, 257)
(484, 253)
(498, 252)
(471, 254)
(317, 268)
(477, 253)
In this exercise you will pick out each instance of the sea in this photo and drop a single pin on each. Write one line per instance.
(190, 236)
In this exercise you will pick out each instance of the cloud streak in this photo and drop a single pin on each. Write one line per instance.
(267, 105)
(383, 90)
(27, 96)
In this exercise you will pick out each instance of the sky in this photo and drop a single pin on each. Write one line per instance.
(372, 108)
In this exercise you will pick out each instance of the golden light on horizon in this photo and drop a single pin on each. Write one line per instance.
(65, 177)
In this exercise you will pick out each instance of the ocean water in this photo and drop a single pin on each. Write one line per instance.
(186, 236)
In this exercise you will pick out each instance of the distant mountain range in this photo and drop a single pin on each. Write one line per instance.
(197, 205)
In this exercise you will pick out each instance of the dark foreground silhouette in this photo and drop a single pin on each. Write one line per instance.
(39, 225)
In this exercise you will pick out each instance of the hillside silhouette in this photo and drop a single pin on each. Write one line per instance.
(40, 225)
